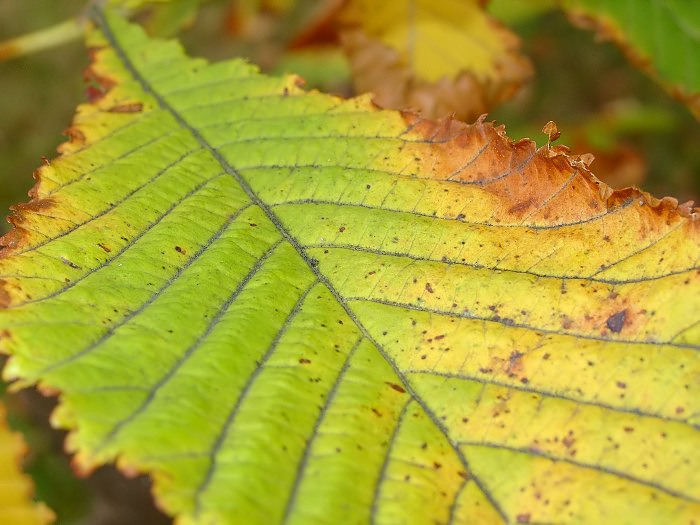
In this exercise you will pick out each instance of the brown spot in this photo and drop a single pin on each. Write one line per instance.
(33, 205)
(680, 410)
(5, 297)
(376, 412)
(436, 465)
(180, 249)
(523, 518)
(70, 263)
(104, 247)
(131, 107)
(616, 321)
(521, 206)
(515, 362)
(341, 229)
(621, 384)
(628, 429)
(93, 93)
(429, 288)
(75, 135)
(568, 440)
(396, 387)
(438, 337)
(304, 361)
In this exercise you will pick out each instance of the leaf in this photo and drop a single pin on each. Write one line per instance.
(661, 38)
(440, 57)
(16, 506)
(286, 306)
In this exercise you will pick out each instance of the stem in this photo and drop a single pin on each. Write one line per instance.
(46, 38)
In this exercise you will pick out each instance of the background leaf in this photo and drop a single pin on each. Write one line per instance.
(662, 38)
(16, 506)
(439, 57)
(287, 306)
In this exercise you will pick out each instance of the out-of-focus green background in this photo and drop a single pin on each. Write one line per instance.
(600, 102)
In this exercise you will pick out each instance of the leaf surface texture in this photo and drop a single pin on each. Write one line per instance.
(289, 307)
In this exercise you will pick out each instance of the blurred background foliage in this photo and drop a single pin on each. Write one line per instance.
(601, 103)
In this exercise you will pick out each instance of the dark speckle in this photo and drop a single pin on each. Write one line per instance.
(180, 249)
(313, 262)
(396, 387)
(429, 288)
(304, 361)
(70, 263)
(616, 321)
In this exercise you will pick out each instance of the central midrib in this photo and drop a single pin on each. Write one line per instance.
(101, 21)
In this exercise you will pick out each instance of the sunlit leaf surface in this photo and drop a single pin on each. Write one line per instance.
(286, 306)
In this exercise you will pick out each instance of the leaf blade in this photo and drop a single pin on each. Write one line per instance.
(361, 242)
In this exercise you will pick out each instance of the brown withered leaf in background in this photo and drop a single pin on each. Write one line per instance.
(440, 58)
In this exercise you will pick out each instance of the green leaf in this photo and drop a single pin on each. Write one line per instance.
(286, 306)
(660, 37)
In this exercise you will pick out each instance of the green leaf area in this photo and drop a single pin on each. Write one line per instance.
(289, 307)
(661, 37)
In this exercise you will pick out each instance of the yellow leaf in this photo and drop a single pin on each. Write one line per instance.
(16, 506)
(440, 57)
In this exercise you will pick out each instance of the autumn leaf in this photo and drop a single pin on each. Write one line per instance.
(290, 307)
(439, 57)
(16, 506)
(662, 38)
